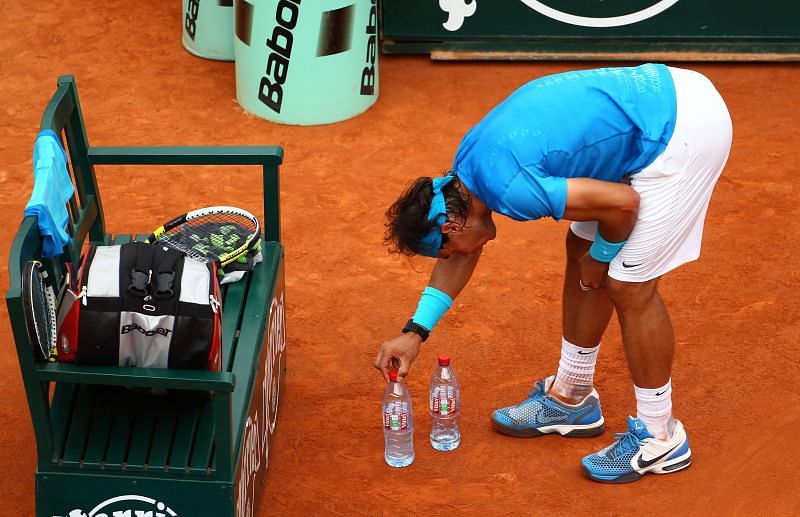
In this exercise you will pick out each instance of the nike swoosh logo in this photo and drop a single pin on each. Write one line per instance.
(642, 464)
(585, 353)
(540, 417)
(625, 264)
(657, 393)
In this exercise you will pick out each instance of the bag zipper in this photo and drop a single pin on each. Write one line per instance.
(83, 275)
(213, 298)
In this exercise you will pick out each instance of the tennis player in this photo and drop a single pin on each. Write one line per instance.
(631, 157)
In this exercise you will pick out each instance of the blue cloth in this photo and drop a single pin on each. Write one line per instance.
(603, 124)
(52, 188)
(431, 243)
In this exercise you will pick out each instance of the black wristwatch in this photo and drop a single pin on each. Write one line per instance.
(417, 329)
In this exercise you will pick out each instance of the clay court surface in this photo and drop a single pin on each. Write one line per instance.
(737, 369)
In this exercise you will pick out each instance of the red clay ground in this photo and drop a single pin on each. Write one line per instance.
(737, 386)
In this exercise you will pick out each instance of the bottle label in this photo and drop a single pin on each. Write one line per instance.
(442, 401)
(396, 418)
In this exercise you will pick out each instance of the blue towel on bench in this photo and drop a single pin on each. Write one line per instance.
(52, 188)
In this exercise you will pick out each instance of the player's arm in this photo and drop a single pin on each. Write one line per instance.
(615, 206)
(449, 276)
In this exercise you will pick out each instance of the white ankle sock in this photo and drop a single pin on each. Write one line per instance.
(576, 369)
(654, 408)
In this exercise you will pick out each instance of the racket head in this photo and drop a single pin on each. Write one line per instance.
(220, 234)
(39, 307)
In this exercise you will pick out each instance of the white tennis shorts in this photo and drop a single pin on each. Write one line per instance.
(674, 190)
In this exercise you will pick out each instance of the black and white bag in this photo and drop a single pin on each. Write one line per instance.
(142, 305)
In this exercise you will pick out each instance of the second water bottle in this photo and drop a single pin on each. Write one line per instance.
(445, 407)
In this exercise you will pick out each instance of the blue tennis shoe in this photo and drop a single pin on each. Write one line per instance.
(542, 414)
(636, 453)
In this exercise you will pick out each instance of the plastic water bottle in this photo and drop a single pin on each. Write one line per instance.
(398, 423)
(445, 406)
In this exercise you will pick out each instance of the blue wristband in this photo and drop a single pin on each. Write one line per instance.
(432, 305)
(604, 251)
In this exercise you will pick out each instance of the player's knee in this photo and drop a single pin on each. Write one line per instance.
(576, 247)
(630, 295)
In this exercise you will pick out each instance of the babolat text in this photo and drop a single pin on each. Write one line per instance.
(191, 17)
(137, 328)
(368, 74)
(270, 91)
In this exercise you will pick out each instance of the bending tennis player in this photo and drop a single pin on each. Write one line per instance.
(630, 156)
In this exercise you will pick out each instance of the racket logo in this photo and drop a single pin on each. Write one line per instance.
(152, 332)
(64, 344)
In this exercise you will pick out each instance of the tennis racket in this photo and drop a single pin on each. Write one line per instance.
(221, 234)
(39, 307)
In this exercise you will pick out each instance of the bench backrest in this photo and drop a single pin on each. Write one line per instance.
(62, 115)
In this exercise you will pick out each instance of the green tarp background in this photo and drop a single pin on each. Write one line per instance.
(576, 26)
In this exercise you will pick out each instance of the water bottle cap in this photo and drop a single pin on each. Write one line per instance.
(393, 376)
(444, 360)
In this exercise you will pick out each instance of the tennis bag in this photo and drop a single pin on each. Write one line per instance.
(140, 304)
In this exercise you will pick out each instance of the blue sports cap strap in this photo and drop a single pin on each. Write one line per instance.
(437, 213)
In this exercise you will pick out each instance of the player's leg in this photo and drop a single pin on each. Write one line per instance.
(649, 344)
(647, 334)
(674, 193)
(566, 403)
(655, 442)
(585, 316)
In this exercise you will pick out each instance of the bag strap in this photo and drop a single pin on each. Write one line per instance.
(165, 273)
(142, 271)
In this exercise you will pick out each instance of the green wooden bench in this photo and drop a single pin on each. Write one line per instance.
(105, 450)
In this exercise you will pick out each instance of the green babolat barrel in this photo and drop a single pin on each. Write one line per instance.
(309, 62)
(208, 28)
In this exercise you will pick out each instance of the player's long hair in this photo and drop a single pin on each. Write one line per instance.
(407, 217)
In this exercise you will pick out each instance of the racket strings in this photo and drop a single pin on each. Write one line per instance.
(208, 239)
(41, 310)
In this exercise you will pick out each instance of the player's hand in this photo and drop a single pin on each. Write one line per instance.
(593, 273)
(398, 354)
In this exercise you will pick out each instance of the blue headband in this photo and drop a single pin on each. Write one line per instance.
(432, 242)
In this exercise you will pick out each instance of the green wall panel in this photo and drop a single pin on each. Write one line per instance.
(593, 26)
